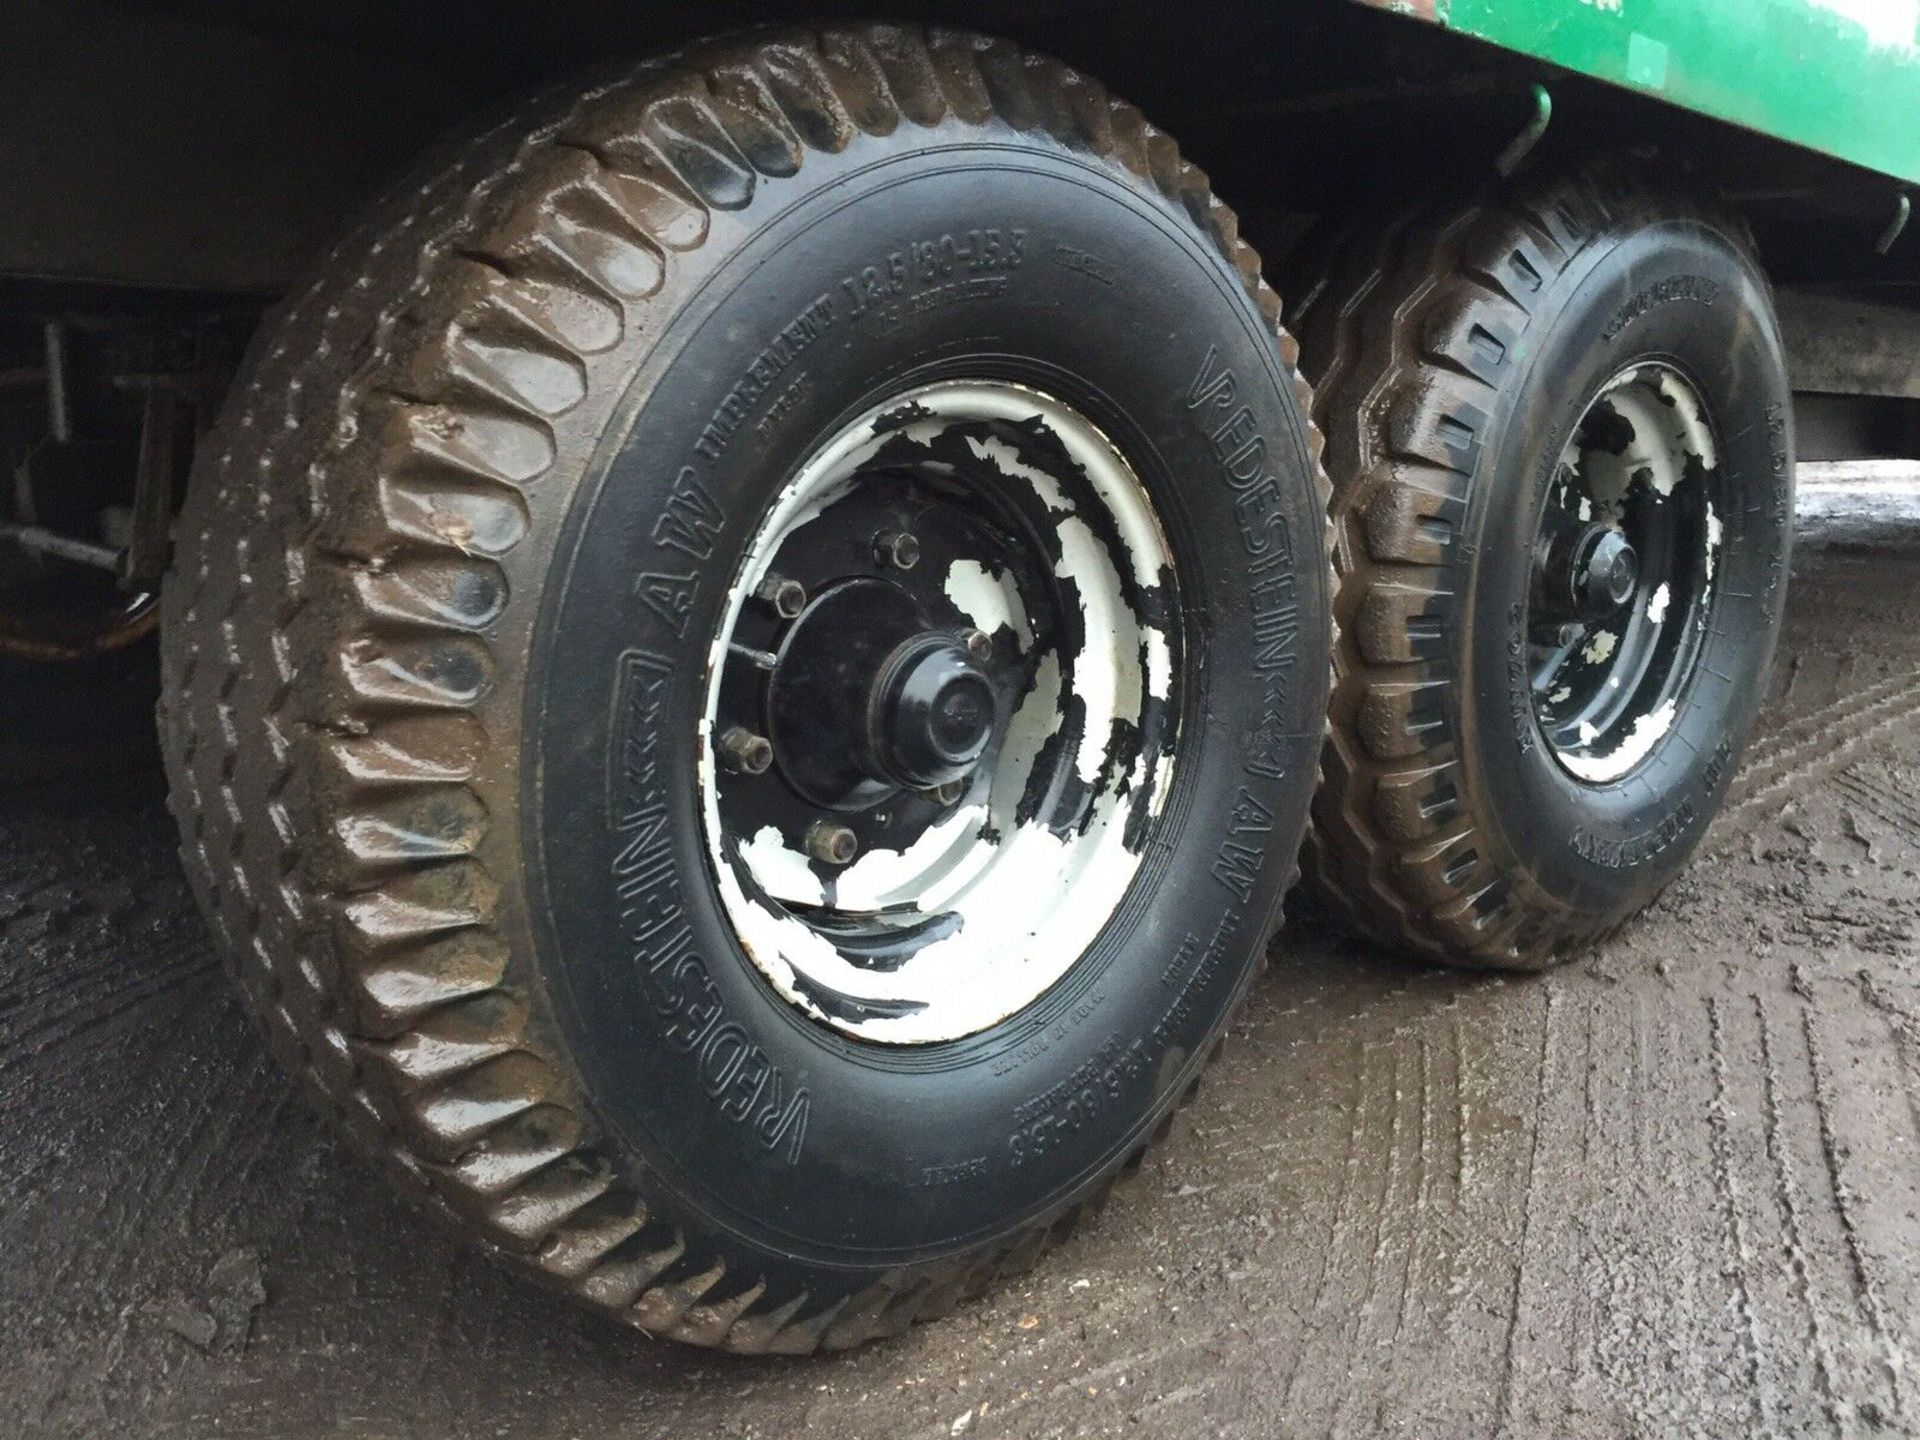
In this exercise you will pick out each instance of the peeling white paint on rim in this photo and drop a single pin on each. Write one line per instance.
(989, 598)
(1159, 664)
(781, 870)
(1009, 463)
(1691, 434)
(1669, 425)
(1635, 747)
(1028, 901)
(1597, 650)
(1657, 603)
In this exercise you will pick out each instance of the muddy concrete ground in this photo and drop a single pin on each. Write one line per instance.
(1669, 1190)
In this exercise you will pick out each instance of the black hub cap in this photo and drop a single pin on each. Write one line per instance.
(1606, 572)
(931, 712)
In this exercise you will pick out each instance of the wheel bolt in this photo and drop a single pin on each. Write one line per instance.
(746, 752)
(787, 597)
(979, 644)
(947, 794)
(831, 844)
(897, 548)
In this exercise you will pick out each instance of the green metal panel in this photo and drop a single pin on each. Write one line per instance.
(1838, 76)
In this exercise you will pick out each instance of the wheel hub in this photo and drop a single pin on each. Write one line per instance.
(931, 712)
(869, 695)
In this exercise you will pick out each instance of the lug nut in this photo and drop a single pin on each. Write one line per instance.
(947, 794)
(831, 844)
(746, 752)
(979, 644)
(897, 548)
(787, 597)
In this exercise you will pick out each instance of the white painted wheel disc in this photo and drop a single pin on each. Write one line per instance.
(1015, 880)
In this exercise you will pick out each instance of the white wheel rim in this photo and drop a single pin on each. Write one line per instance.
(1030, 901)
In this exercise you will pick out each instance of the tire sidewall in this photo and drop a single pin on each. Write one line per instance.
(1676, 291)
(729, 1107)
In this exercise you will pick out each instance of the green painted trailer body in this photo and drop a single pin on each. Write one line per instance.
(1841, 77)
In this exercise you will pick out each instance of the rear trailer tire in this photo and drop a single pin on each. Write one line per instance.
(1565, 385)
(648, 585)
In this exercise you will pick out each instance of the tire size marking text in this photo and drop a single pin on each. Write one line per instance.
(927, 275)
(1052, 1117)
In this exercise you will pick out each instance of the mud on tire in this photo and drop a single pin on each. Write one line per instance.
(1459, 357)
(399, 758)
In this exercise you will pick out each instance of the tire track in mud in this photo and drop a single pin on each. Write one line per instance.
(1509, 1364)
(1794, 760)
(95, 1014)
(1787, 1191)
(1894, 804)
(1337, 1257)
(1871, 1256)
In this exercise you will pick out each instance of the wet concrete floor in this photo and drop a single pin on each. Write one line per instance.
(1671, 1189)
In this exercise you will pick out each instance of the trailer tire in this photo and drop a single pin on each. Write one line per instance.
(1462, 366)
(457, 616)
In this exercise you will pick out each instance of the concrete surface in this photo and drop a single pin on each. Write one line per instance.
(1669, 1190)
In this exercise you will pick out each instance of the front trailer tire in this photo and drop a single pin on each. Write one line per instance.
(437, 643)
(1479, 368)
